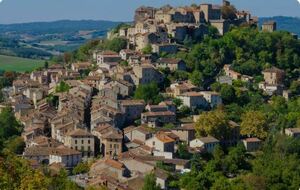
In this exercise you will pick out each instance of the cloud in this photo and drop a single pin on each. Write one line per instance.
(299, 1)
(2, 0)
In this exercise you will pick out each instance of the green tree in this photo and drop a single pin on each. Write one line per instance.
(228, 93)
(62, 87)
(82, 167)
(150, 183)
(254, 123)
(196, 78)
(183, 152)
(148, 92)
(147, 49)
(214, 123)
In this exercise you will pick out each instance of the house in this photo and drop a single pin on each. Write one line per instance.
(213, 98)
(252, 144)
(292, 132)
(269, 26)
(179, 88)
(161, 142)
(222, 25)
(169, 104)
(109, 167)
(145, 74)
(126, 53)
(108, 57)
(273, 76)
(120, 87)
(207, 143)
(39, 154)
(186, 132)
(132, 109)
(193, 100)
(67, 156)
(164, 48)
(81, 140)
(140, 133)
(80, 66)
(110, 140)
(162, 178)
(156, 108)
(158, 117)
(172, 63)
(273, 83)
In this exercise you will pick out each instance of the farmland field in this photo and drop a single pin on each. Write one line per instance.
(10, 63)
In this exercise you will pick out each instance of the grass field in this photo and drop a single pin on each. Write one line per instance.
(9, 63)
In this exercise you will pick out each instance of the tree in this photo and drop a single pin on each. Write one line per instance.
(46, 64)
(196, 78)
(254, 123)
(212, 123)
(147, 49)
(124, 63)
(183, 152)
(15, 145)
(177, 102)
(228, 93)
(116, 44)
(9, 125)
(62, 87)
(82, 167)
(148, 92)
(150, 183)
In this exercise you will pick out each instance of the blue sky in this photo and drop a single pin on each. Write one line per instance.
(17, 11)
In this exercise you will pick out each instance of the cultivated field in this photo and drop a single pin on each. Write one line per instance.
(9, 63)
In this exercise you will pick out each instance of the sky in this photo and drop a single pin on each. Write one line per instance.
(19, 11)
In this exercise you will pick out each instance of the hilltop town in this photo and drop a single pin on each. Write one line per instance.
(153, 109)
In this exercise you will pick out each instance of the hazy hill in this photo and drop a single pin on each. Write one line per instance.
(43, 39)
(291, 24)
(61, 26)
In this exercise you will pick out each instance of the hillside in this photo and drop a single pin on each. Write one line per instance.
(43, 39)
(10, 63)
(291, 24)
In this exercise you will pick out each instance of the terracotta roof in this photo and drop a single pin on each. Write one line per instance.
(252, 140)
(38, 151)
(115, 164)
(64, 151)
(132, 102)
(79, 132)
(161, 174)
(109, 53)
(192, 94)
(163, 113)
(169, 60)
(273, 70)
(164, 137)
(208, 139)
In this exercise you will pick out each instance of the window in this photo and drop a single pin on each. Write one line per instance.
(89, 148)
(110, 145)
(89, 141)
(76, 148)
(82, 142)
(75, 141)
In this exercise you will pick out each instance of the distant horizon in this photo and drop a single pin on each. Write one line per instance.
(49, 21)
(28, 11)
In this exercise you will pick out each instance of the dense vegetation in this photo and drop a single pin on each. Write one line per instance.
(248, 50)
